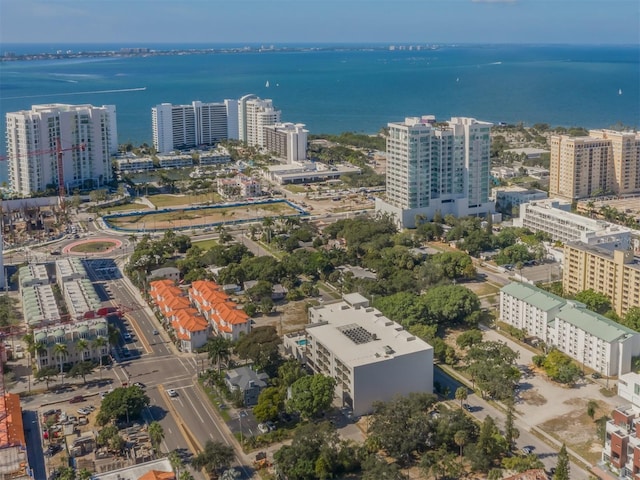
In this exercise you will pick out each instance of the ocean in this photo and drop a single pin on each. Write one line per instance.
(343, 88)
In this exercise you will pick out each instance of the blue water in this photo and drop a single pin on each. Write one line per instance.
(338, 90)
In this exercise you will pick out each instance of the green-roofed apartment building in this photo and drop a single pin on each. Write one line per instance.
(593, 340)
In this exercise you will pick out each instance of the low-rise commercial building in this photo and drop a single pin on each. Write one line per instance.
(615, 274)
(239, 186)
(554, 217)
(371, 357)
(591, 339)
(308, 172)
(513, 196)
(175, 161)
(39, 305)
(13, 445)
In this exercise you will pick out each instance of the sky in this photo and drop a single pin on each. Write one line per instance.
(143, 22)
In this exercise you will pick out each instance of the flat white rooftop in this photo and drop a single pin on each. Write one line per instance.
(359, 334)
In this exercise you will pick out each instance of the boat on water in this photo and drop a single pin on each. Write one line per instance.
(619, 91)
(267, 84)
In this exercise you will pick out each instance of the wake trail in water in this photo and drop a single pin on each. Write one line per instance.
(121, 90)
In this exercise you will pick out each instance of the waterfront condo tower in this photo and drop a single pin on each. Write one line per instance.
(177, 127)
(253, 115)
(437, 167)
(604, 162)
(87, 136)
(287, 140)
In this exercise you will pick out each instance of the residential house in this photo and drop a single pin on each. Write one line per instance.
(247, 382)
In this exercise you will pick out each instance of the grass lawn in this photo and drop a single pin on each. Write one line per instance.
(483, 288)
(162, 200)
(205, 244)
(296, 188)
(123, 208)
(93, 247)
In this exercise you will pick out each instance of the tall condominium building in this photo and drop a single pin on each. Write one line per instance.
(554, 217)
(87, 136)
(435, 167)
(253, 115)
(177, 127)
(287, 140)
(606, 161)
(615, 274)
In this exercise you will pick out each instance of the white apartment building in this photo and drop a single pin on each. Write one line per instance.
(68, 269)
(287, 140)
(86, 135)
(553, 216)
(69, 335)
(591, 339)
(134, 164)
(176, 127)
(175, 161)
(371, 357)
(435, 167)
(253, 115)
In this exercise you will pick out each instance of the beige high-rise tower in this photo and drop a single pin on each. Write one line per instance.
(606, 161)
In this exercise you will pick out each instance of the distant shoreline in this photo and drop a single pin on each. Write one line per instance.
(127, 52)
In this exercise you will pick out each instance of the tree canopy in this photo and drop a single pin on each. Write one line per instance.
(311, 395)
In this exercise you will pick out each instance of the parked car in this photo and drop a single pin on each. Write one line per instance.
(527, 450)
(139, 384)
(172, 393)
(77, 399)
(263, 428)
(84, 411)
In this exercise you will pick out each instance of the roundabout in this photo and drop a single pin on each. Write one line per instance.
(95, 246)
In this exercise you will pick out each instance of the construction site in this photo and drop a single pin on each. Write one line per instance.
(30, 221)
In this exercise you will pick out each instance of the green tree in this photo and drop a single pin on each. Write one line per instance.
(311, 395)
(214, 457)
(289, 372)
(261, 346)
(122, 403)
(492, 367)
(451, 304)
(218, 350)
(595, 301)
(98, 344)
(469, 338)
(521, 464)
(562, 467)
(46, 374)
(461, 394)
(460, 437)
(81, 369)
(511, 432)
(176, 462)
(560, 367)
(376, 468)
(60, 351)
(592, 406)
(632, 319)
(270, 403)
(156, 435)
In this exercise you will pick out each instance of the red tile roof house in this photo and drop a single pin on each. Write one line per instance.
(226, 317)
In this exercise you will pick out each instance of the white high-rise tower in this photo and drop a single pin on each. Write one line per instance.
(253, 115)
(88, 136)
(437, 167)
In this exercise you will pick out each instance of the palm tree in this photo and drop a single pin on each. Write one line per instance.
(218, 349)
(114, 335)
(98, 344)
(82, 346)
(60, 351)
(267, 223)
(460, 438)
(176, 462)
(156, 435)
(461, 394)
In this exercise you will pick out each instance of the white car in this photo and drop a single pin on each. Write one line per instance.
(172, 393)
(263, 427)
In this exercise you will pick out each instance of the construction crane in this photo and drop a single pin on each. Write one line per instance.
(58, 151)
